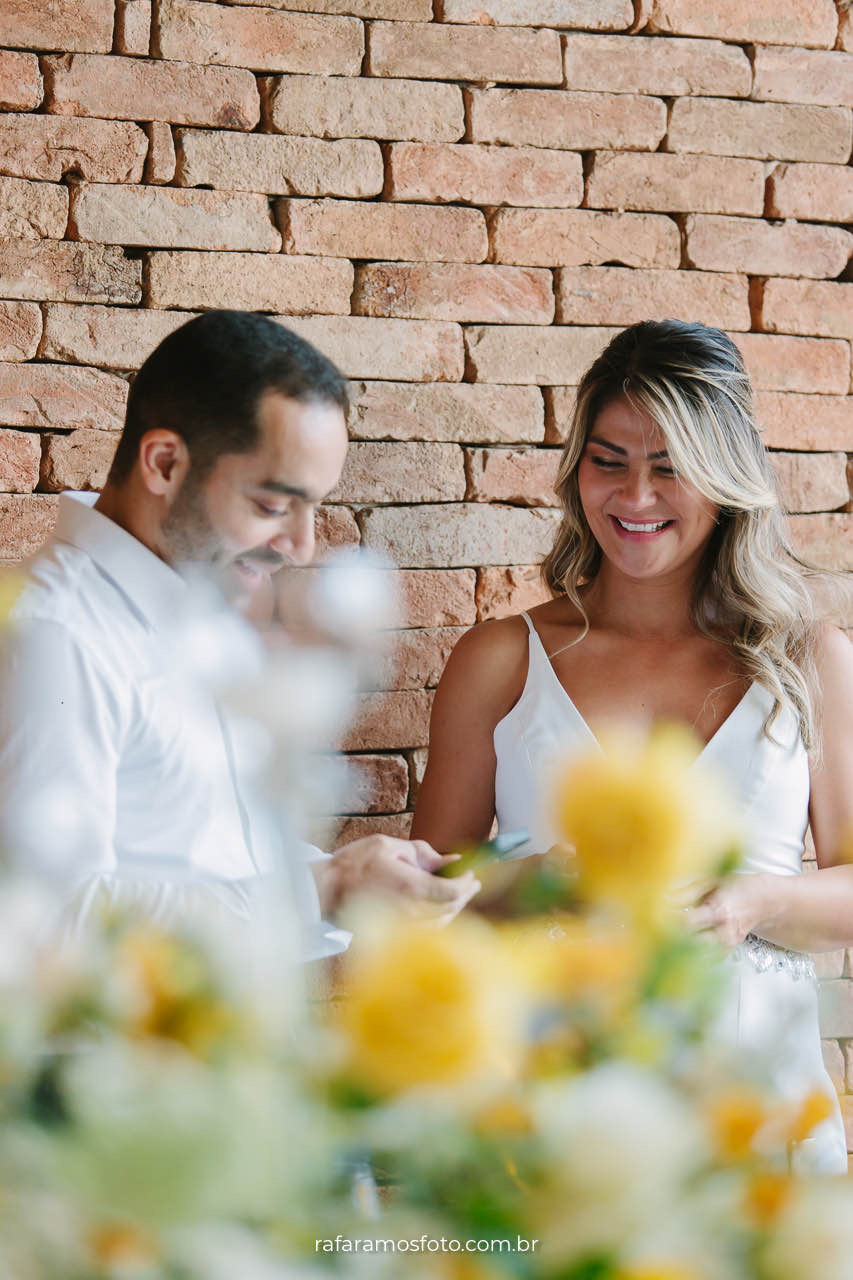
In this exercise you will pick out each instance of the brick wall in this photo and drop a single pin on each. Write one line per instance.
(459, 201)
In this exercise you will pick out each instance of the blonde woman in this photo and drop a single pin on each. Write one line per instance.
(676, 595)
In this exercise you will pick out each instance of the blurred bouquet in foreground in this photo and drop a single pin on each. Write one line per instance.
(540, 1098)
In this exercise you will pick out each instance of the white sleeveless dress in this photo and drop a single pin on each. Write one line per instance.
(772, 1012)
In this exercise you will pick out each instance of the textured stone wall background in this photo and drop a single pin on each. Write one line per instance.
(460, 201)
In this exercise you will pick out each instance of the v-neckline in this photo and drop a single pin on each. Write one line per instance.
(592, 737)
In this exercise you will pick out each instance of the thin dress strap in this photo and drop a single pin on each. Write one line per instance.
(530, 626)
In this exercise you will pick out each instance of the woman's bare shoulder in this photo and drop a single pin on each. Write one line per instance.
(488, 665)
(834, 659)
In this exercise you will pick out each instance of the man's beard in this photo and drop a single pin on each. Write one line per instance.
(191, 539)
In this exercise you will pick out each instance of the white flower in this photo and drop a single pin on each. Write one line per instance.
(814, 1236)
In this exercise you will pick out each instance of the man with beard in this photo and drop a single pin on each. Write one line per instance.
(235, 432)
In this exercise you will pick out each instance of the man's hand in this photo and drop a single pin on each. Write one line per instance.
(402, 868)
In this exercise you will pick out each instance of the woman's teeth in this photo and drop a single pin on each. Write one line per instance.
(641, 528)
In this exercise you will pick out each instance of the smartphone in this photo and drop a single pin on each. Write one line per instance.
(496, 850)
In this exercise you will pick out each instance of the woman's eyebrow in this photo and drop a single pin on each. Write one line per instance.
(662, 453)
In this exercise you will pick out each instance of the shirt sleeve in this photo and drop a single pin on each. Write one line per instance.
(61, 727)
(63, 721)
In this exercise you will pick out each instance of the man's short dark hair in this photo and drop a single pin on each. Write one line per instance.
(205, 380)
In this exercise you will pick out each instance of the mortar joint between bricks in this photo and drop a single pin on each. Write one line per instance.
(756, 303)
(680, 220)
(750, 52)
(669, 103)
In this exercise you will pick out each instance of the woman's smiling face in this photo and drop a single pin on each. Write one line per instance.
(647, 521)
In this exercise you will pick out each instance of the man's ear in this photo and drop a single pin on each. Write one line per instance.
(164, 461)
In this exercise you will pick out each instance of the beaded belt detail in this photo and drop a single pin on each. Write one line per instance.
(764, 955)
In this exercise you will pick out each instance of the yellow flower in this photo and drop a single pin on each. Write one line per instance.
(11, 586)
(652, 1271)
(767, 1195)
(815, 1108)
(578, 959)
(735, 1119)
(641, 817)
(430, 1006)
(173, 998)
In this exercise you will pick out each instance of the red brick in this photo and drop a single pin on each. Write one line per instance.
(25, 523)
(436, 597)
(805, 421)
(54, 269)
(32, 210)
(808, 307)
(263, 39)
(798, 75)
(795, 364)
(277, 165)
(20, 452)
(764, 130)
(439, 52)
(413, 232)
(836, 998)
(142, 89)
(112, 337)
(811, 481)
(825, 540)
(445, 411)
(21, 86)
(761, 248)
(48, 147)
(796, 22)
(502, 592)
(342, 107)
(663, 181)
(547, 357)
(573, 237)
(416, 658)
(249, 281)
(594, 15)
(396, 472)
(85, 25)
(41, 396)
(377, 784)
(833, 1058)
(567, 121)
(397, 825)
(623, 296)
(829, 964)
(815, 192)
(520, 295)
(20, 330)
(79, 460)
(643, 64)
(559, 407)
(162, 161)
(133, 27)
(524, 477)
(334, 528)
(172, 218)
(458, 535)
(405, 350)
(390, 720)
(529, 176)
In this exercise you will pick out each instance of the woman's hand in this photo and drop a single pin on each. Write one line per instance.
(728, 909)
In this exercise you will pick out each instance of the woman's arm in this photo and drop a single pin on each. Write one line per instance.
(812, 912)
(483, 679)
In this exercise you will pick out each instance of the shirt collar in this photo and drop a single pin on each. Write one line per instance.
(151, 586)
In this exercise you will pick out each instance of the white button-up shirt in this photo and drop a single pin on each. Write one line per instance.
(112, 768)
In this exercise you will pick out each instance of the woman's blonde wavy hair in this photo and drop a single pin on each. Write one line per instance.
(751, 588)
